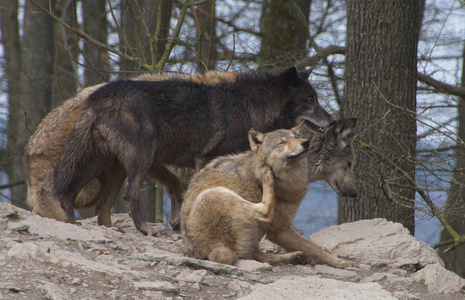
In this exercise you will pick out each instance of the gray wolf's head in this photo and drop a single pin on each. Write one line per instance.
(331, 157)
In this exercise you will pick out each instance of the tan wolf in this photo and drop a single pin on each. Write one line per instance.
(147, 125)
(234, 201)
(46, 147)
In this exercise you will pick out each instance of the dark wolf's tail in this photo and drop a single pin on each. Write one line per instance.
(82, 160)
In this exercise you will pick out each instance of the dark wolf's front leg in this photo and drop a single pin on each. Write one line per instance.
(288, 238)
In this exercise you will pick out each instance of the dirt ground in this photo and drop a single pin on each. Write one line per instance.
(44, 259)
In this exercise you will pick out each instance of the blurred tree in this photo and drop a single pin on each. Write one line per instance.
(380, 90)
(454, 259)
(284, 32)
(96, 61)
(206, 35)
(34, 95)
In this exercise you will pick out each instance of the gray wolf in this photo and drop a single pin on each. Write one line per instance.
(45, 149)
(145, 126)
(229, 204)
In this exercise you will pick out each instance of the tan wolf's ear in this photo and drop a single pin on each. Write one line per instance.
(255, 139)
(299, 128)
(344, 130)
(306, 130)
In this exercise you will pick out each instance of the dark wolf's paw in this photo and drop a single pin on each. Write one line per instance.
(175, 224)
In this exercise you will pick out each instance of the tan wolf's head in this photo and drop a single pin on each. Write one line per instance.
(331, 157)
(280, 149)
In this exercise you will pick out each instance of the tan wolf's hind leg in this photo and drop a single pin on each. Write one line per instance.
(222, 254)
(295, 258)
(264, 210)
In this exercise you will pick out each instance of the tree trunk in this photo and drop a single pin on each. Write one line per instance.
(66, 53)
(380, 90)
(36, 81)
(455, 208)
(206, 35)
(143, 34)
(9, 27)
(284, 32)
(96, 60)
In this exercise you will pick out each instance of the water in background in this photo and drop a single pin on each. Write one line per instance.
(319, 210)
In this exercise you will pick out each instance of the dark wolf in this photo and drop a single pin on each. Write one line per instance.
(45, 149)
(234, 201)
(145, 126)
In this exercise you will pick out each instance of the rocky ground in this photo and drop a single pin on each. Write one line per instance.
(44, 259)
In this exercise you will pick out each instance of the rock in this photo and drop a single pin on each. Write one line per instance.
(337, 273)
(54, 292)
(50, 228)
(440, 280)
(156, 286)
(252, 265)
(313, 287)
(192, 276)
(376, 242)
(27, 250)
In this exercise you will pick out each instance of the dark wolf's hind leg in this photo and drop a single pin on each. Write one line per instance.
(86, 174)
(175, 188)
(112, 181)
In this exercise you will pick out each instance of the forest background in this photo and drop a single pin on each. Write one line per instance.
(398, 66)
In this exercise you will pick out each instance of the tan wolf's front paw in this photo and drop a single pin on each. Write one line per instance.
(268, 175)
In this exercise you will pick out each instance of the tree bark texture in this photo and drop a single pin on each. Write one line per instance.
(380, 90)
(96, 60)
(284, 32)
(454, 260)
(206, 35)
(34, 99)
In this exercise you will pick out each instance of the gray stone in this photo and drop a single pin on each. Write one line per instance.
(192, 276)
(27, 250)
(439, 280)
(51, 228)
(313, 287)
(338, 273)
(156, 286)
(54, 292)
(252, 265)
(376, 242)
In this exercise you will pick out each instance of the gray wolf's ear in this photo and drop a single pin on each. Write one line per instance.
(305, 74)
(344, 131)
(290, 76)
(255, 139)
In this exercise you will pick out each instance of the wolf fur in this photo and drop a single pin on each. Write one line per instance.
(46, 147)
(219, 218)
(148, 125)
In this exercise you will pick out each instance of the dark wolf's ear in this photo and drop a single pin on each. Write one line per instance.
(255, 139)
(344, 131)
(306, 73)
(290, 76)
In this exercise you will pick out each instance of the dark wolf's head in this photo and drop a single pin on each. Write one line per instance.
(331, 156)
(280, 149)
(303, 103)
